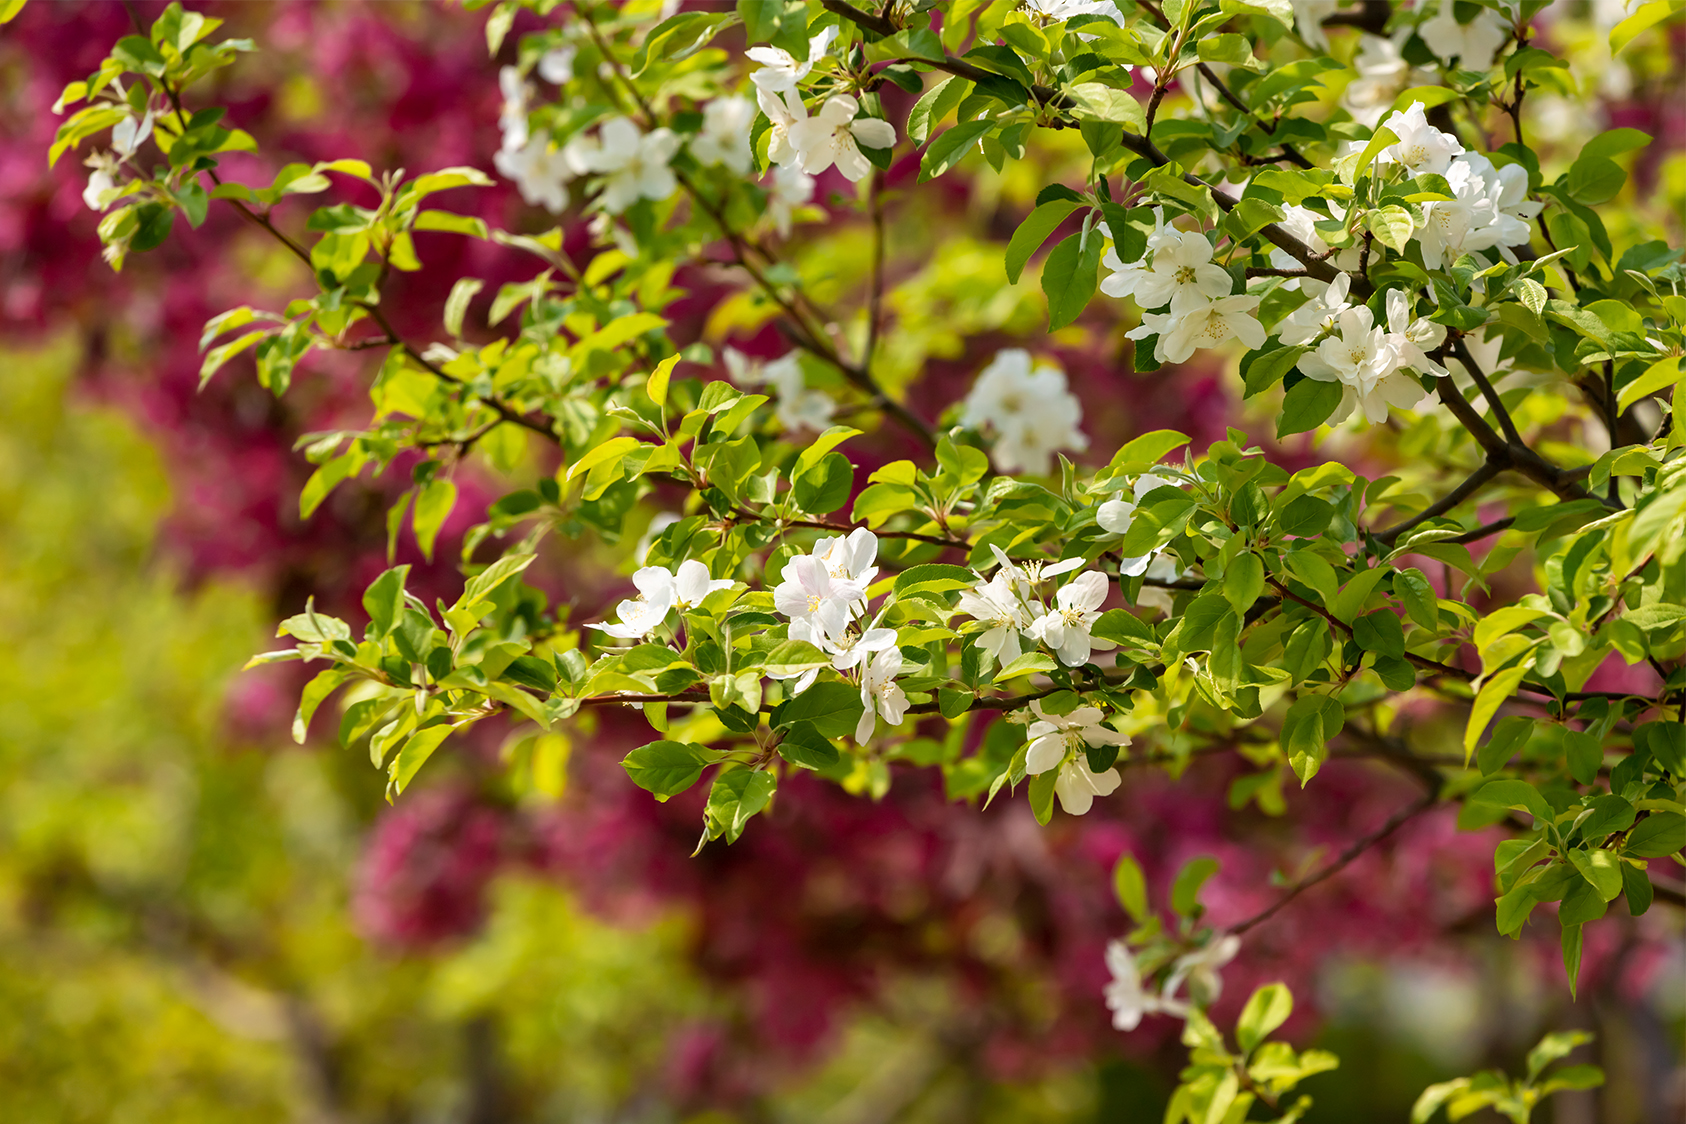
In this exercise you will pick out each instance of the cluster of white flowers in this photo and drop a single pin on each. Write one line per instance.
(1177, 270)
(126, 137)
(660, 591)
(824, 595)
(834, 135)
(1011, 604)
(796, 407)
(1062, 741)
(1070, 9)
(1490, 208)
(1372, 364)
(1129, 1001)
(1030, 409)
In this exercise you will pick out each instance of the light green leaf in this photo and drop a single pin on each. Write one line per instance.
(415, 753)
(1498, 688)
(1267, 1009)
(1033, 231)
(1131, 887)
(1658, 376)
(656, 385)
(433, 506)
(1069, 277)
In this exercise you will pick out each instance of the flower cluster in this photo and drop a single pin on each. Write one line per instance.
(834, 135)
(660, 591)
(1063, 742)
(1030, 410)
(1129, 1001)
(1178, 272)
(1372, 364)
(1011, 604)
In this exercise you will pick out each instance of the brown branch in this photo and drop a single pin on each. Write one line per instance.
(1488, 391)
(1341, 862)
(1457, 495)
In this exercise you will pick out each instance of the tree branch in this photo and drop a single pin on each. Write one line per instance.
(1469, 487)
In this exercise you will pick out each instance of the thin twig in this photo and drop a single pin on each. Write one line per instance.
(1457, 495)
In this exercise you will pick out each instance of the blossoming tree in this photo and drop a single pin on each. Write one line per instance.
(1377, 237)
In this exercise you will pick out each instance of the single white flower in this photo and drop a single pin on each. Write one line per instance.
(1319, 314)
(1060, 10)
(640, 615)
(1383, 74)
(1183, 275)
(512, 118)
(1489, 208)
(1125, 276)
(790, 188)
(850, 650)
(1199, 969)
(1030, 409)
(1180, 333)
(880, 695)
(1308, 20)
(540, 172)
(780, 72)
(634, 164)
(818, 605)
(995, 603)
(556, 65)
(1126, 998)
(1163, 568)
(691, 584)
(1406, 337)
(1065, 629)
(1360, 360)
(100, 181)
(1025, 577)
(724, 138)
(1473, 44)
(850, 557)
(833, 135)
(1054, 737)
(784, 112)
(129, 134)
(1421, 148)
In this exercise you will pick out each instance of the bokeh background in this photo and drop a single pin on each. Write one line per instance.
(201, 921)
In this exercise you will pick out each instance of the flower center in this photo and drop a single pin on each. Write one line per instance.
(813, 602)
(1185, 275)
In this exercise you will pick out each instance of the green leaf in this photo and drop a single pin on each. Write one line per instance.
(1380, 632)
(481, 585)
(384, 599)
(451, 223)
(933, 105)
(415, 752)
(1510, 735)
(433, 506)
(1642, 20)
(1185, 889)
(1243, 581)
(804, 745)
(666, 768)
(1392, 225)
(1142, 453)
(951, 146)
(820, 446)
(1497, 689)
(934, 577)
(1032, 232)
(456, 305)
(1305, 516)
(737, 794)
(1657, 836)
(314, 694)
(1595, 181)
(1042, 795)
(1660, 375)
(1601, 868)
(1513, 794)
(832, 708)
(1415, 590)
(1131, 887)
(1609, 813)
(609, 450)
(1267, 1009)
(1069, 277)
(1097, 101)
(1307, 405)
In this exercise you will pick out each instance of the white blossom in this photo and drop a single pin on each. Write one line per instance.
(1421, 149)
(1406, 336)
(512, 118)
(1180, 333)
(818, 605)
(129, 134)
(997, 604)
(1125, 276)
(1054, 737)
(724, 138)
(556, 65)
(797, 408)
(780, 72)
(1319, 314)
(880, 695)
(1030, 409)
(634, 164)
(1308, 20)
(1183, 275)
(1489, 208)
(1199, 969)
(1126, 998)
(1359, 359)
(1027, 576)
(100, 181)
(539, 171)
(833, 135)
(1070, 9)
(850, 650)
(784, 112)
(1473, 44)
(640, 615)
(850, 557)
(1065, 629)
(790, 187)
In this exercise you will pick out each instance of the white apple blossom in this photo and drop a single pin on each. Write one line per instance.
(1199, 969)
(640, 615)
(634, 164)
(1030, 409)
(1180, 333)
(797, 408)
(724, 138)
(1489, 209)
(691, 584)
(1421, 149)
(1473, 44)
(1126, 998)
(1319, 314)
(129, 134)
(850, 557)
(1026, 577)
(1360, 360)
(1383, 74)
(780, 71)
(784, 112)
(1406, 336)
(1070, 9)
(100, 181)
(1065, 629)
(1055, 737)
(995, 603)
(512, 118)
(556, 65)
(818, 605)
(834, 136)
(1183, 275)
(1125, 276)
(540, 172)
(881, 696)
(850, 650)
(790, 188)
(1308, 20)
